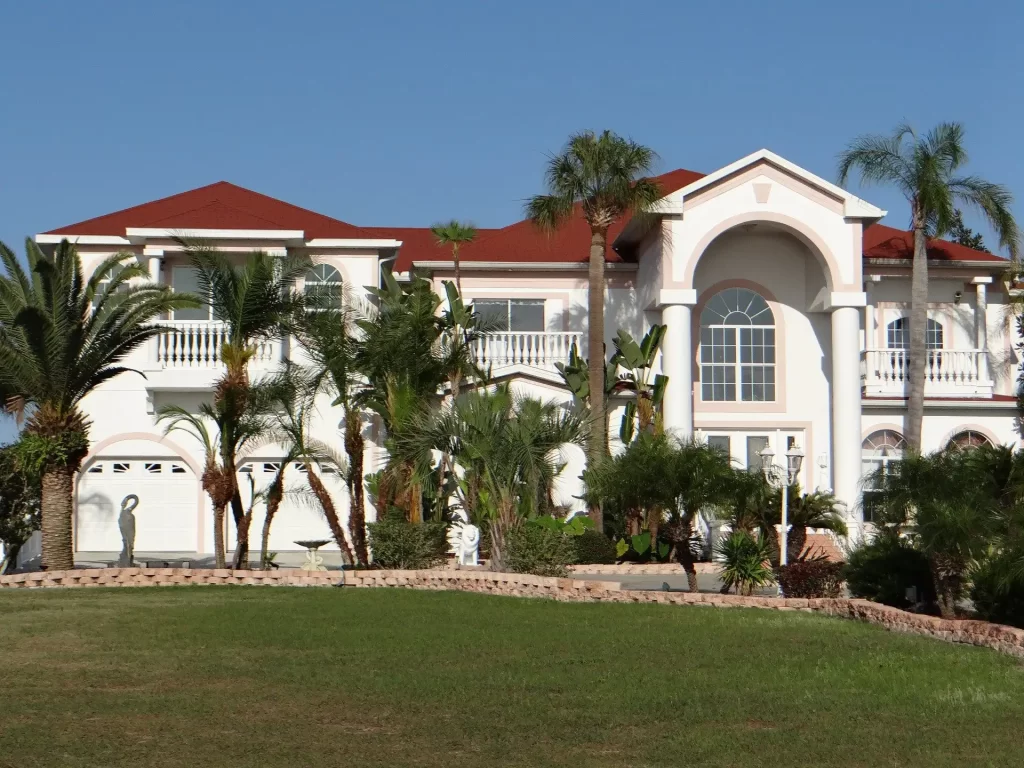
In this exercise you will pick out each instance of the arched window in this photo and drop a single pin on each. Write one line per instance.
(879, 451)
(737, 347)
(323, 285)
(897, 334)
(968, 439)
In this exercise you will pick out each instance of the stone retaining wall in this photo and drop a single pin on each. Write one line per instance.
(1006, 639)
(165, 577)
(651, 569)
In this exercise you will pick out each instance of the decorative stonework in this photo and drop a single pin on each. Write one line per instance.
(1005, 639)
(761, 192)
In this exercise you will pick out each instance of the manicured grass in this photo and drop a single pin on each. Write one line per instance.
(230, 677)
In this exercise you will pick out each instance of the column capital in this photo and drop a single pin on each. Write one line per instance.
(153, 252)
(837, 299)
(986, 280)
(676, 296)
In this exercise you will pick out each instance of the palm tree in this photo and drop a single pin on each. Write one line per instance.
(257, 302)
(925, 170)
(61, 337)
(818, 509)
(330, 338)
(454, 233)
(601, 177)
(949, 509)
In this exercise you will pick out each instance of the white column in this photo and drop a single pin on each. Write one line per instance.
(676, 363)
(156, 259)
(981, 325)
(846, 405)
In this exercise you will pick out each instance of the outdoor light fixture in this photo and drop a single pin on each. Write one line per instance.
(785, 477)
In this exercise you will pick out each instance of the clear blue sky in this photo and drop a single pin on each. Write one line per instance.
(390, 113)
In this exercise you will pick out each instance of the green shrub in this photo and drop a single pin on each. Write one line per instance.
(811, 578)
(397, 543)
(998, 594)
(884, 568)
(539, 550)
(593, 547)
(744, 562)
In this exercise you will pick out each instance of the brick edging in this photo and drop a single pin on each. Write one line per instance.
(1008, 640)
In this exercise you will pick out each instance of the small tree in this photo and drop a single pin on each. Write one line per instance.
(456, 234)
(19, 506)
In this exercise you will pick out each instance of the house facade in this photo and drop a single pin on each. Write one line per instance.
(785, 303)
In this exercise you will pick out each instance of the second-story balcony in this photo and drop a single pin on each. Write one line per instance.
(948, 373)
(531, 349)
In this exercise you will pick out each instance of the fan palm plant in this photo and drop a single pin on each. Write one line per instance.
(949, 509)
(507, 446)
(926, 170)
(62, 336)
(601, 178)
(818, 509)
(454, 233)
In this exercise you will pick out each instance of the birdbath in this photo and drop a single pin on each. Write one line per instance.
(313, 561)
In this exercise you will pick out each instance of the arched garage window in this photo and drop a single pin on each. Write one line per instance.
(881, 450)
(737, 347)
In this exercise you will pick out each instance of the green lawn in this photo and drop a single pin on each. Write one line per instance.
(225, 677)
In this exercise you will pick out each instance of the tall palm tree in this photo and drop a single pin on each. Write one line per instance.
(61, 337)
(454, 233)
(601, 177)
(257, 301)
(926, 170)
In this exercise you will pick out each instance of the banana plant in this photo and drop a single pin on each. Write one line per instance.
(643, 414)
(575, 375)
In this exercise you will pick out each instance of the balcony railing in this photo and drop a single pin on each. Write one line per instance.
(197, 345)
(948, 373)
(533, 349)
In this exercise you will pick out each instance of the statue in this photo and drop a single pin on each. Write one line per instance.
(126, 522)
(469, 545)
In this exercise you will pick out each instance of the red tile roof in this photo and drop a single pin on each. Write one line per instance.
(226, 206)
(216, 206)
(882, 242)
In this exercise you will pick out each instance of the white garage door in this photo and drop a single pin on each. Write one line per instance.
(165, 519)
(299, 518)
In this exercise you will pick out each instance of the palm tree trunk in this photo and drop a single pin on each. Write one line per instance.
(686, 557)
(219, 553)
(502, 525)
(274, 495)
(795, 542)
(918, 352)
(330, 512)
(56, 509)
(242, 521)
(354, 447)
(948, 580)
(458, 273)
(598, 443)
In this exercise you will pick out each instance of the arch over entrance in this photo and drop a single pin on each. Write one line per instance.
(798, 229)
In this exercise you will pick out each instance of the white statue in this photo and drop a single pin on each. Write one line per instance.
(126, 522)
(469, 545)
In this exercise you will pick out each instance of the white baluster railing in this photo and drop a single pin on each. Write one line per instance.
(197, 345)
(538, 349)
(948, 372)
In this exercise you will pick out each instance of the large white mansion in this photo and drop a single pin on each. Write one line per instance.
(784, 300)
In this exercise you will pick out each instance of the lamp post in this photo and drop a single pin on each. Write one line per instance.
(787, 476)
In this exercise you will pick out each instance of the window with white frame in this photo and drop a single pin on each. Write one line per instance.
(737, 348)
(186, 280)
(897, 334)
(515, 315)
(969, 439)
(881, 450)
(103, 284)
(323, 286)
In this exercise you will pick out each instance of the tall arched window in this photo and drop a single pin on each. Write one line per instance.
(737, 347)
(879, 451)
(323, 284)
(897, 334)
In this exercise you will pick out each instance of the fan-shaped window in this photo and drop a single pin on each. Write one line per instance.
(898, 334)
(879, 451)
(969, 439)
(323, 286)
(737, 347)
